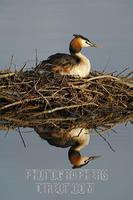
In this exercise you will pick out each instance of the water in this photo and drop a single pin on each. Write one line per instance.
(17, 162)
(48, 26)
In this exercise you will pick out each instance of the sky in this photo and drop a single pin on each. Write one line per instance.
(48, 25)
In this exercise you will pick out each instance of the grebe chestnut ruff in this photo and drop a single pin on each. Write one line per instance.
(73, 64)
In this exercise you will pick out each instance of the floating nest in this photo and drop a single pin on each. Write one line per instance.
(29, 95)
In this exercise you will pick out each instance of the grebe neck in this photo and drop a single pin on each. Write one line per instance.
(74, 48)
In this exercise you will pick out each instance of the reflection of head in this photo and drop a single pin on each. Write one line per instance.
(79, 161)
(76, 138)
(81, 141)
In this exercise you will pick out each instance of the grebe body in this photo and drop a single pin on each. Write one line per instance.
(73, 64)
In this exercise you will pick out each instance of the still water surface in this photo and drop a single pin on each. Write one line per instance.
(48, 26)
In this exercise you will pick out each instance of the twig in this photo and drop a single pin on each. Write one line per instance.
(103, 76)
(11, 61)
(23, 68)
(112, 77)
(21, 137)
(36, 57)
(105, 140)
(63, 108)
(129, 74)
(19, 102)
(7, 75)
(35, 86)
(122, 71)
(107, 64)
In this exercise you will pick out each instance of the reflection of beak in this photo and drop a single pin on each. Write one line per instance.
(87, 161)
(93, 158)
(75, 167)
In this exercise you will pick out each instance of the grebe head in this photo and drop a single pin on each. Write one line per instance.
(79, 42)
(77, 160)
(83, 160)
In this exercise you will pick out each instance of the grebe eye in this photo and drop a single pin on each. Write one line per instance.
(87, 42)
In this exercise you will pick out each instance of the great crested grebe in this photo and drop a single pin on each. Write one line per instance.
(76, 138)
(74, 64)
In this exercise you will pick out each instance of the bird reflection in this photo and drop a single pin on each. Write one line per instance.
(76, 138)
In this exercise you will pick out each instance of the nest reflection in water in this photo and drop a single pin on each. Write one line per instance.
(70, 132)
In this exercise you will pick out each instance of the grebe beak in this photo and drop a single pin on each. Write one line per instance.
(93, 158)
(92, 44)
(86, 162)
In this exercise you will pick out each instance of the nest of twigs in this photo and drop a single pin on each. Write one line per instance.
(31, 95)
